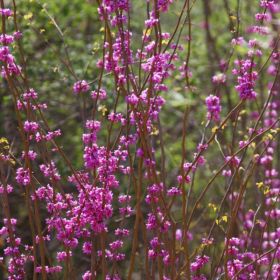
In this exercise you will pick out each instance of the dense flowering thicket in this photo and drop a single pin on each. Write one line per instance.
(148, 226)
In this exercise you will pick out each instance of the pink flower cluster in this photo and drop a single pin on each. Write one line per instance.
(123, 179)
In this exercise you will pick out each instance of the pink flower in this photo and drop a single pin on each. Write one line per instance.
(81, 86)
(30, 126)
(22, 176)
(213, 106)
